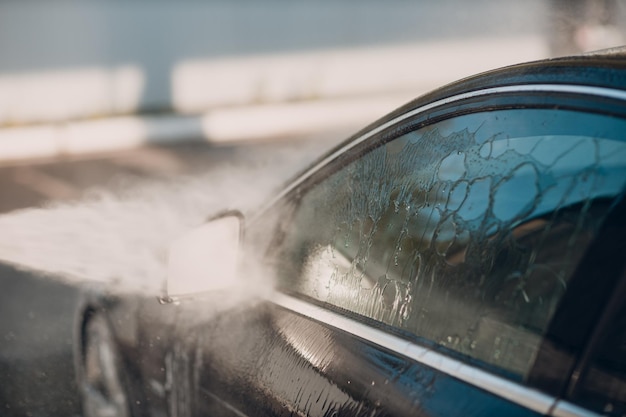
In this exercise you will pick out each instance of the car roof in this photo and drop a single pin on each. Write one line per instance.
(605, 68)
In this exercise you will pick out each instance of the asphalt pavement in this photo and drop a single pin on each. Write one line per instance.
(36, 311)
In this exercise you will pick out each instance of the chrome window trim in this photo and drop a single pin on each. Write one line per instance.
(527, 88)
(514, 392)
(564, 408)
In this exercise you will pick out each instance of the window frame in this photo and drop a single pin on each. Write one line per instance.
(574, 98)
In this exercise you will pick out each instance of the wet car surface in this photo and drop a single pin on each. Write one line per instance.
(464, 255)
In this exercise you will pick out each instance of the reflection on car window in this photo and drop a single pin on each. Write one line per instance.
(463, 233)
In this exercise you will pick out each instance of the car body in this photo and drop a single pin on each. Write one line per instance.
(464, 255)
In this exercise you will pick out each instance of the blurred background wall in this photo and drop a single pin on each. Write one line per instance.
(64, 60)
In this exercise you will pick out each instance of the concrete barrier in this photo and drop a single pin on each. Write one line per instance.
(105, 75)
(260, 97)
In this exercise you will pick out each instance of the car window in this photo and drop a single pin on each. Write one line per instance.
(462, 233)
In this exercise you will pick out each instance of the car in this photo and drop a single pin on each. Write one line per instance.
(465, 255)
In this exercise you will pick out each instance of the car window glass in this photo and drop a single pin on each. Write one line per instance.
(463, 233)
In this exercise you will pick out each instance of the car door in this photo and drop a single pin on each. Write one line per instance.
(422, 267)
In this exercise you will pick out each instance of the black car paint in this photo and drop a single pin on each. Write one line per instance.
(258, 361)
(348, 377)
(250, 360)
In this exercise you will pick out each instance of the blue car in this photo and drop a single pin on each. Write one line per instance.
(463, 256)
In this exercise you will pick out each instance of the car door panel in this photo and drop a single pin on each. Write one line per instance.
(297, 366)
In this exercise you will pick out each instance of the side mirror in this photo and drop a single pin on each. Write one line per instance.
(205, 258)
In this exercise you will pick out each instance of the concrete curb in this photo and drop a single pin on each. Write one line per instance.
(250, 123)
(199, 85)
